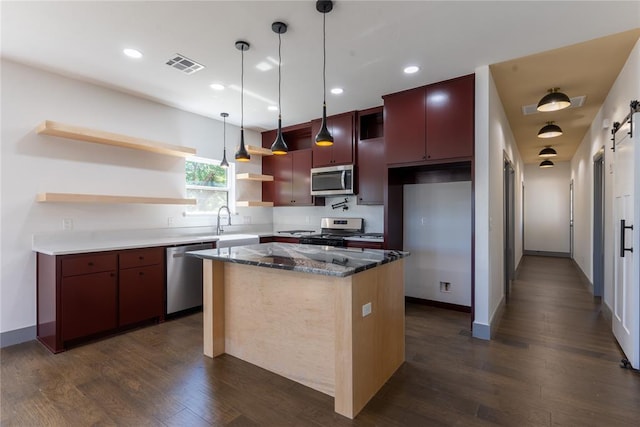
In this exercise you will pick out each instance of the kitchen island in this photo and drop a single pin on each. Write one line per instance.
(329, 318)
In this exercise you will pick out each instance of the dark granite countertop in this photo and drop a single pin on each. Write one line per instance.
(327, 260)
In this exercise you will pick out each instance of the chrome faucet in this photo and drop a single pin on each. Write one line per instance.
(219, 229)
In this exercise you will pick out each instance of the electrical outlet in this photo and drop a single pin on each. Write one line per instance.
(445, 286)
(306, 220)
(247, 219)
(366, 309)
(67, 224)
(170, 221)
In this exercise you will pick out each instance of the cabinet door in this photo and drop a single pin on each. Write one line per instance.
(404, 126)
(450, 118)
(342, 131)
(141, 295)
(322, 156)
(88, 304)
(371, 169)
(301, 177)
(268, 137)
(282, 186)
(279, 239)
(341, 152)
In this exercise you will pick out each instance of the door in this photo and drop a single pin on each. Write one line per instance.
(509, 226)
(571, 219)
(626, 298)
(598, 224)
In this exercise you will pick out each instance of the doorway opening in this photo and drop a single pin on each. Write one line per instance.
(598, 224)
(509, 226)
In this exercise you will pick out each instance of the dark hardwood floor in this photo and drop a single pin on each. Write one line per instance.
(553, 362)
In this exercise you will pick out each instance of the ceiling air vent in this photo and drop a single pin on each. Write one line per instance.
(576, 101)
(184, 64)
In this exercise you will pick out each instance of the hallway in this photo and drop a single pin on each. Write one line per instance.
(553, 362)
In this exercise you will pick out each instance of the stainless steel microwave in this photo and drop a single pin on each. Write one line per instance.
(332, 180)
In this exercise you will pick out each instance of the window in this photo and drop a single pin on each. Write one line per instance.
(209, 184)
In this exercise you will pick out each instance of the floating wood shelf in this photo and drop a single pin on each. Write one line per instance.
(99, 198)
(252, 204)
(253, 177)
(78, 133)
(258, 151)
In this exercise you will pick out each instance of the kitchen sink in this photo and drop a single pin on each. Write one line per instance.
(229, 240)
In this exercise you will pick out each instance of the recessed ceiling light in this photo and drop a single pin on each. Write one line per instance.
(264, 66)
(411, 69)
(337, 90)
(272, 108)
(132, 53)
(216, 86)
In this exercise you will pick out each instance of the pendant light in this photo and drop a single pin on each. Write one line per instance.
(547, 152)
(324, 138)
(224, 163)
(242, 155)
(554, 101)
(550, 130)
(279, 147)
(546, 164)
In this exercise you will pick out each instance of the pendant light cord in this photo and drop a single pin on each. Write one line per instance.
(224, 134)
(279, 75)
(242, 92)
(324, 59)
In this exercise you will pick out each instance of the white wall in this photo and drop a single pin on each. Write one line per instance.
(547, 208)
(437, 227)
(615, 107)
(493, 142)
(33, 163)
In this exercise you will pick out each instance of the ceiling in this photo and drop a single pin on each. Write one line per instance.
(368, 45)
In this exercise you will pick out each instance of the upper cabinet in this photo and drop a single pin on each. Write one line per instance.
(430, 123)
(341, 152)
(370, 157)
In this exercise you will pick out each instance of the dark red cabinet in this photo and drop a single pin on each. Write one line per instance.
(82, 295)
(291, 178)
(370, 157)
(88, 304)
(434, 122)
(141, 285)
(341, 127)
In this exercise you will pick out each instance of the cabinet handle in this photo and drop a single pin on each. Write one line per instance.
(141, 273)
(140, 257)
(90, 264)
(112, 274)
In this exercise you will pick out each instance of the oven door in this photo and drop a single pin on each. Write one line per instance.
(330, 181)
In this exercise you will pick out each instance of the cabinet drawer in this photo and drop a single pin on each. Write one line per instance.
(94, 263)
(141, 257)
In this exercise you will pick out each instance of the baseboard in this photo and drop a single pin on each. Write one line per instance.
(583, 277)
(17, 336)
(547, 253)
(439, 304)
(485, 331)
(606, 312)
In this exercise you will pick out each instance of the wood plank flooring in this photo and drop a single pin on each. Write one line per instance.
(553, 362)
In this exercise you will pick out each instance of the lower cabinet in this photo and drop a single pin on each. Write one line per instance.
(85, 295)
(364, 245)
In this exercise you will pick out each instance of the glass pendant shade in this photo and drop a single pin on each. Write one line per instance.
(242, 155)
(550, 130)
(279, 146)
(547, 152)
(324, 138)
(224, 163)
(554, 101)
(546, 164)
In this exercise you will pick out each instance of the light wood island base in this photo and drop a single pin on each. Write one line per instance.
(309, 327)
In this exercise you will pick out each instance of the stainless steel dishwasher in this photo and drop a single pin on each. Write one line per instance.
(184, 278)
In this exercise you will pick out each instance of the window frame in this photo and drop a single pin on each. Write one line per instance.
(230, 188)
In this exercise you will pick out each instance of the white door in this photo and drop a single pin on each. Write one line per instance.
(626, 294)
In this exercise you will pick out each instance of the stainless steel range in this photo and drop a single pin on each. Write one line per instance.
(334, 231)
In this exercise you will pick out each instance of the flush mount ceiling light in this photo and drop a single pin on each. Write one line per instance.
(554, 101)
(411, 69)
(242, 155)
(550, 130)
(337, 90)
(324, 138)
(132, 53)
(547, 152)
(216, 86)
(546, 164)
(224, 163)
(279, 147)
